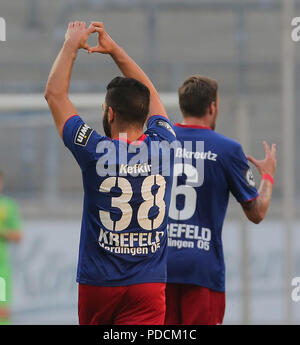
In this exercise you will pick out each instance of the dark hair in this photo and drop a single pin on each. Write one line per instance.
(196, 94)
(129, 99)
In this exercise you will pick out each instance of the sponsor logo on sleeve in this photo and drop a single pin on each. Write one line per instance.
(83, 134)
(166, 125)
(250, 178)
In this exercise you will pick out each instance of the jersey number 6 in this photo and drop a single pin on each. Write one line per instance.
(188, 191)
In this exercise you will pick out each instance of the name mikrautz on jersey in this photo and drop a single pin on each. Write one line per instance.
(201, 187)
(127, 191)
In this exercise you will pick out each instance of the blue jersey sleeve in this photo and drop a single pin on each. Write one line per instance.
(240, 177)
(160, 126)
(81, 140)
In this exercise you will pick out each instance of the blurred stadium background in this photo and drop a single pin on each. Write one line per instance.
(245, 45)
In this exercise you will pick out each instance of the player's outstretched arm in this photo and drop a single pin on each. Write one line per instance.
(58, 83)
(106, 45)
(256, 210)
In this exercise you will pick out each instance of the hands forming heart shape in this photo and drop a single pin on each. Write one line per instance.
(78, 34)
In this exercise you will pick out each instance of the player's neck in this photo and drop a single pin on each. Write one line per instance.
(131, 134)
(204, 121)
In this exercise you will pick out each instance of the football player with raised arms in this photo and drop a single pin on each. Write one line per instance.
(195, 292)
(122, 255)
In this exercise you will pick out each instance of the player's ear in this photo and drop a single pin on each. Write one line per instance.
(212, 108)
(111, 114)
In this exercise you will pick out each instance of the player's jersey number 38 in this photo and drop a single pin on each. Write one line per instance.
(122, 203)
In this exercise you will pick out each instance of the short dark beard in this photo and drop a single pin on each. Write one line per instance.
(106, 125)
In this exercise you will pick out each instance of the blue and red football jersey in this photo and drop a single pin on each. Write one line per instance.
(127, 193)
(201, 187)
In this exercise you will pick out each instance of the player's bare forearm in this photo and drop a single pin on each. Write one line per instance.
(57, 87)
(59, 79)
(60, 74)
(256, 209)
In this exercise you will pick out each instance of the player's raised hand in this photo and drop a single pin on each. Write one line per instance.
(268, 164)
(105, 43)
(77, 35)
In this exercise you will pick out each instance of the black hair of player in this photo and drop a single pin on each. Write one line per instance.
(130, 99)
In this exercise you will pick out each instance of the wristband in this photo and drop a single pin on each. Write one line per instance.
(268, 177)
